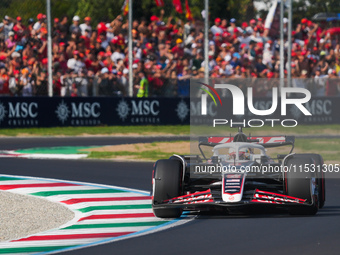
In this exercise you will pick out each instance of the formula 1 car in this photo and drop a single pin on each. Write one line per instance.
(238, 175)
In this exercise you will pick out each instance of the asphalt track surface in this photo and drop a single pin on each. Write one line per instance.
(261, 233)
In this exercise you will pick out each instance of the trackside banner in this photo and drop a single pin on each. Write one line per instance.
(16, 112)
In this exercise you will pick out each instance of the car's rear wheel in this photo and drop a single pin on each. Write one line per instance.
(167, 184)
(301, 184)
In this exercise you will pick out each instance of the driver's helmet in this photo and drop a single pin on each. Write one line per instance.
(243, 154)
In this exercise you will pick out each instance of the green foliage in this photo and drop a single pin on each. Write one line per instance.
(5, 4)
(303, 10)
(241, 10)
(24, 8)
(99, 10)
(107, 10)
(60, 8)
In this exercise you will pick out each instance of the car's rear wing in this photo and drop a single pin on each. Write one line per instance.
(265, 141)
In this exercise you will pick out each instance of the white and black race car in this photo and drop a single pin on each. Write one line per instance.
(239, 175)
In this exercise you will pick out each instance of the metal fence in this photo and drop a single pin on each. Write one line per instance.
(74, 85)
(108, 84)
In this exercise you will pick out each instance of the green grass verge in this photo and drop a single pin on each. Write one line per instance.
(105, 130)
(171, 130)
(333, 129)
(328, 148)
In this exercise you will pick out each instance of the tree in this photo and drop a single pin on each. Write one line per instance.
(100, 10)
(25, 9)
(239, 9)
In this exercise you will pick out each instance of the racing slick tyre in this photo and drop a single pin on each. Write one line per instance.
(318, 161)
(301, 184)
(167, 183)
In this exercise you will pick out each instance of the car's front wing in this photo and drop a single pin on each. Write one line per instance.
(206, 198)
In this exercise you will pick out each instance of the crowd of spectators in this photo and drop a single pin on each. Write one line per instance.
(92, 59)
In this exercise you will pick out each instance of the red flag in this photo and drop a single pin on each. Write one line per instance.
(159, 3)
(188, 15)
(126, 7)
(178, 6)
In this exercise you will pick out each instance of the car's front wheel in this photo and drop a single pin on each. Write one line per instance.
(301, 184)
(167, 184)
(318, 161)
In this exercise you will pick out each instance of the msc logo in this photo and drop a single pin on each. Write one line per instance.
(19, 113)
(2, 112)
(139, 111)
(22, 110)
(85, 111)
(145, 107)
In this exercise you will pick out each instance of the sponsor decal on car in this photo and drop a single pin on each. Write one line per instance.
(275, 198)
